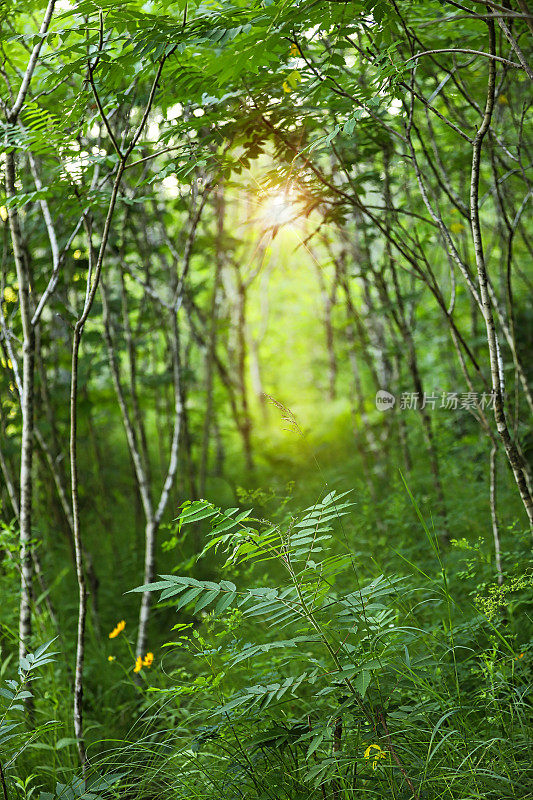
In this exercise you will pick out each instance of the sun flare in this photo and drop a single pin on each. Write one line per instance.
(278, 208)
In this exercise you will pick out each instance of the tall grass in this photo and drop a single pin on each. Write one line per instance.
(300, 674)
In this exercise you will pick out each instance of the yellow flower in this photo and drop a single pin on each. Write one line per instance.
(375, 756)
(148, 660)
(77, 254)
(3, 213)
(111, 658)
(138, 664)
(118, 629)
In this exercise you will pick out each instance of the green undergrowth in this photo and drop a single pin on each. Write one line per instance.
(305, 664)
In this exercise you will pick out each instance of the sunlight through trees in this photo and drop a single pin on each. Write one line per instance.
(265, 399)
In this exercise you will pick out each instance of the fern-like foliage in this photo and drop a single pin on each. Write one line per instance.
(333, 627)
(243, 538)
(319, 684)
(14, 738)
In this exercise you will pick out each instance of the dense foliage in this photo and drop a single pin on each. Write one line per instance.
(265, 417)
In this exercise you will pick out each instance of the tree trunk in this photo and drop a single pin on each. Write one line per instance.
(211, 344)
(27, 404)
(494, 515)
(148, 577)
(497, 376)
(246, 421)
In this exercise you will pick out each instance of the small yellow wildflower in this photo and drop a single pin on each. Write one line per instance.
(117, 629)
(375, 756)
(138, 664)
(148, 660)
(76, 254)
(111, 658)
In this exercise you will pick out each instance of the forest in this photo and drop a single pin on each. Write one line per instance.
(266, 400)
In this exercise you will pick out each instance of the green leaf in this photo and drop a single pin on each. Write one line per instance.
(361, 682)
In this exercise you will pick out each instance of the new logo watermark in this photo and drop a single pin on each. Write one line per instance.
(436, 400)
(384, 400)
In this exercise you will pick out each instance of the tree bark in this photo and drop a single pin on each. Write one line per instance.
(27, 407)
(497, 377)
(76, 531)
(211, 343)
(494, 515)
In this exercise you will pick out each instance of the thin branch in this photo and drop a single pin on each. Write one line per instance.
(52, 238)
(90, 74)
(470, 52)
(32, 63)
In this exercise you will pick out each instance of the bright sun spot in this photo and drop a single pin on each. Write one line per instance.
(278, 209)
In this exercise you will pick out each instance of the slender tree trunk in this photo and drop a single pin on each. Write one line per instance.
(404, 324)
(211, 343)
(148, 577)
(27, 406)
(26, 488)
(153, 523)
(494, 515)
(28, 345)
(80, 572)
(141, 477)
(246, 420)
(91, 290)
(498, 385)
(55, 467)
(138, 418)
